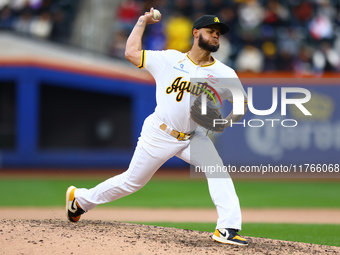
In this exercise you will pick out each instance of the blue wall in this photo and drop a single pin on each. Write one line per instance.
(27, 152)
(316, 139)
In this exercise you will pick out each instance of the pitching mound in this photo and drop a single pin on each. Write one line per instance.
(103, 237)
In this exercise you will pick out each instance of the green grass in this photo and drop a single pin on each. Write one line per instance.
(306, 233)
(289, 194)
(194, 193)
(177, 193)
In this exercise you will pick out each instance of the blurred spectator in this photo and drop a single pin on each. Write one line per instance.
(198, 9)
(161, 5)
(337, 42)
(182, 8)
(58, 33)
(22, 7)
(127, 14)
(46, 6)
(303, 12)
(6, 18)
(214, 6)
(224, 51)
(337, 17)
(117, 47)
(179, 33)
(23, 23)
(250, 59)
(155, 38)
(288, 46)
(3, 3)
(276, 14)
(285, 60)
(42, 26)
(228, 15)
(303, 61)
(251, 14)
(321, 27)
(325, 8)
(270, 51)
(326, 58)
(35, 4)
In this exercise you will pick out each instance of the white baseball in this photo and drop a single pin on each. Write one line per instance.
(156, 14)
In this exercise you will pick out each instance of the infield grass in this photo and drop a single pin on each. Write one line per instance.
(177, 193)
(306, 233)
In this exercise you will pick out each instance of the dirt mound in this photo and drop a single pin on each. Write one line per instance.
(104, 237)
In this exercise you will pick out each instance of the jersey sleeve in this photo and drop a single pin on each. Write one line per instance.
(153, 61)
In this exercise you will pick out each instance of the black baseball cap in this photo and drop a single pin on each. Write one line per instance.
(207, 20)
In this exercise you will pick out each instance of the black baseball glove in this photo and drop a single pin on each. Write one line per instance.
(207, 121)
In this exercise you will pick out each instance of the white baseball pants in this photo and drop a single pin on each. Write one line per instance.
(153, 149)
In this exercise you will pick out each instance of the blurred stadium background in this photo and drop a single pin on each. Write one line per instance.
(68, 98)
(267, 35)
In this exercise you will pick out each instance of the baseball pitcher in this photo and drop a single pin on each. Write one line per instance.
(170, 130)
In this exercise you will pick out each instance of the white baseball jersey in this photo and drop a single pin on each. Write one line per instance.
(172, 71)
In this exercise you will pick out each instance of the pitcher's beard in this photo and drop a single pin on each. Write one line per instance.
(206, 46)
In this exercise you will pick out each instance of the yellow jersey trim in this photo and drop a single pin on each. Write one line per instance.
(210, 64)
(142, 60)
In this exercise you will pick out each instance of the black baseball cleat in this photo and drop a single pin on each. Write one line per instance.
(229, 236)
(73, 210)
